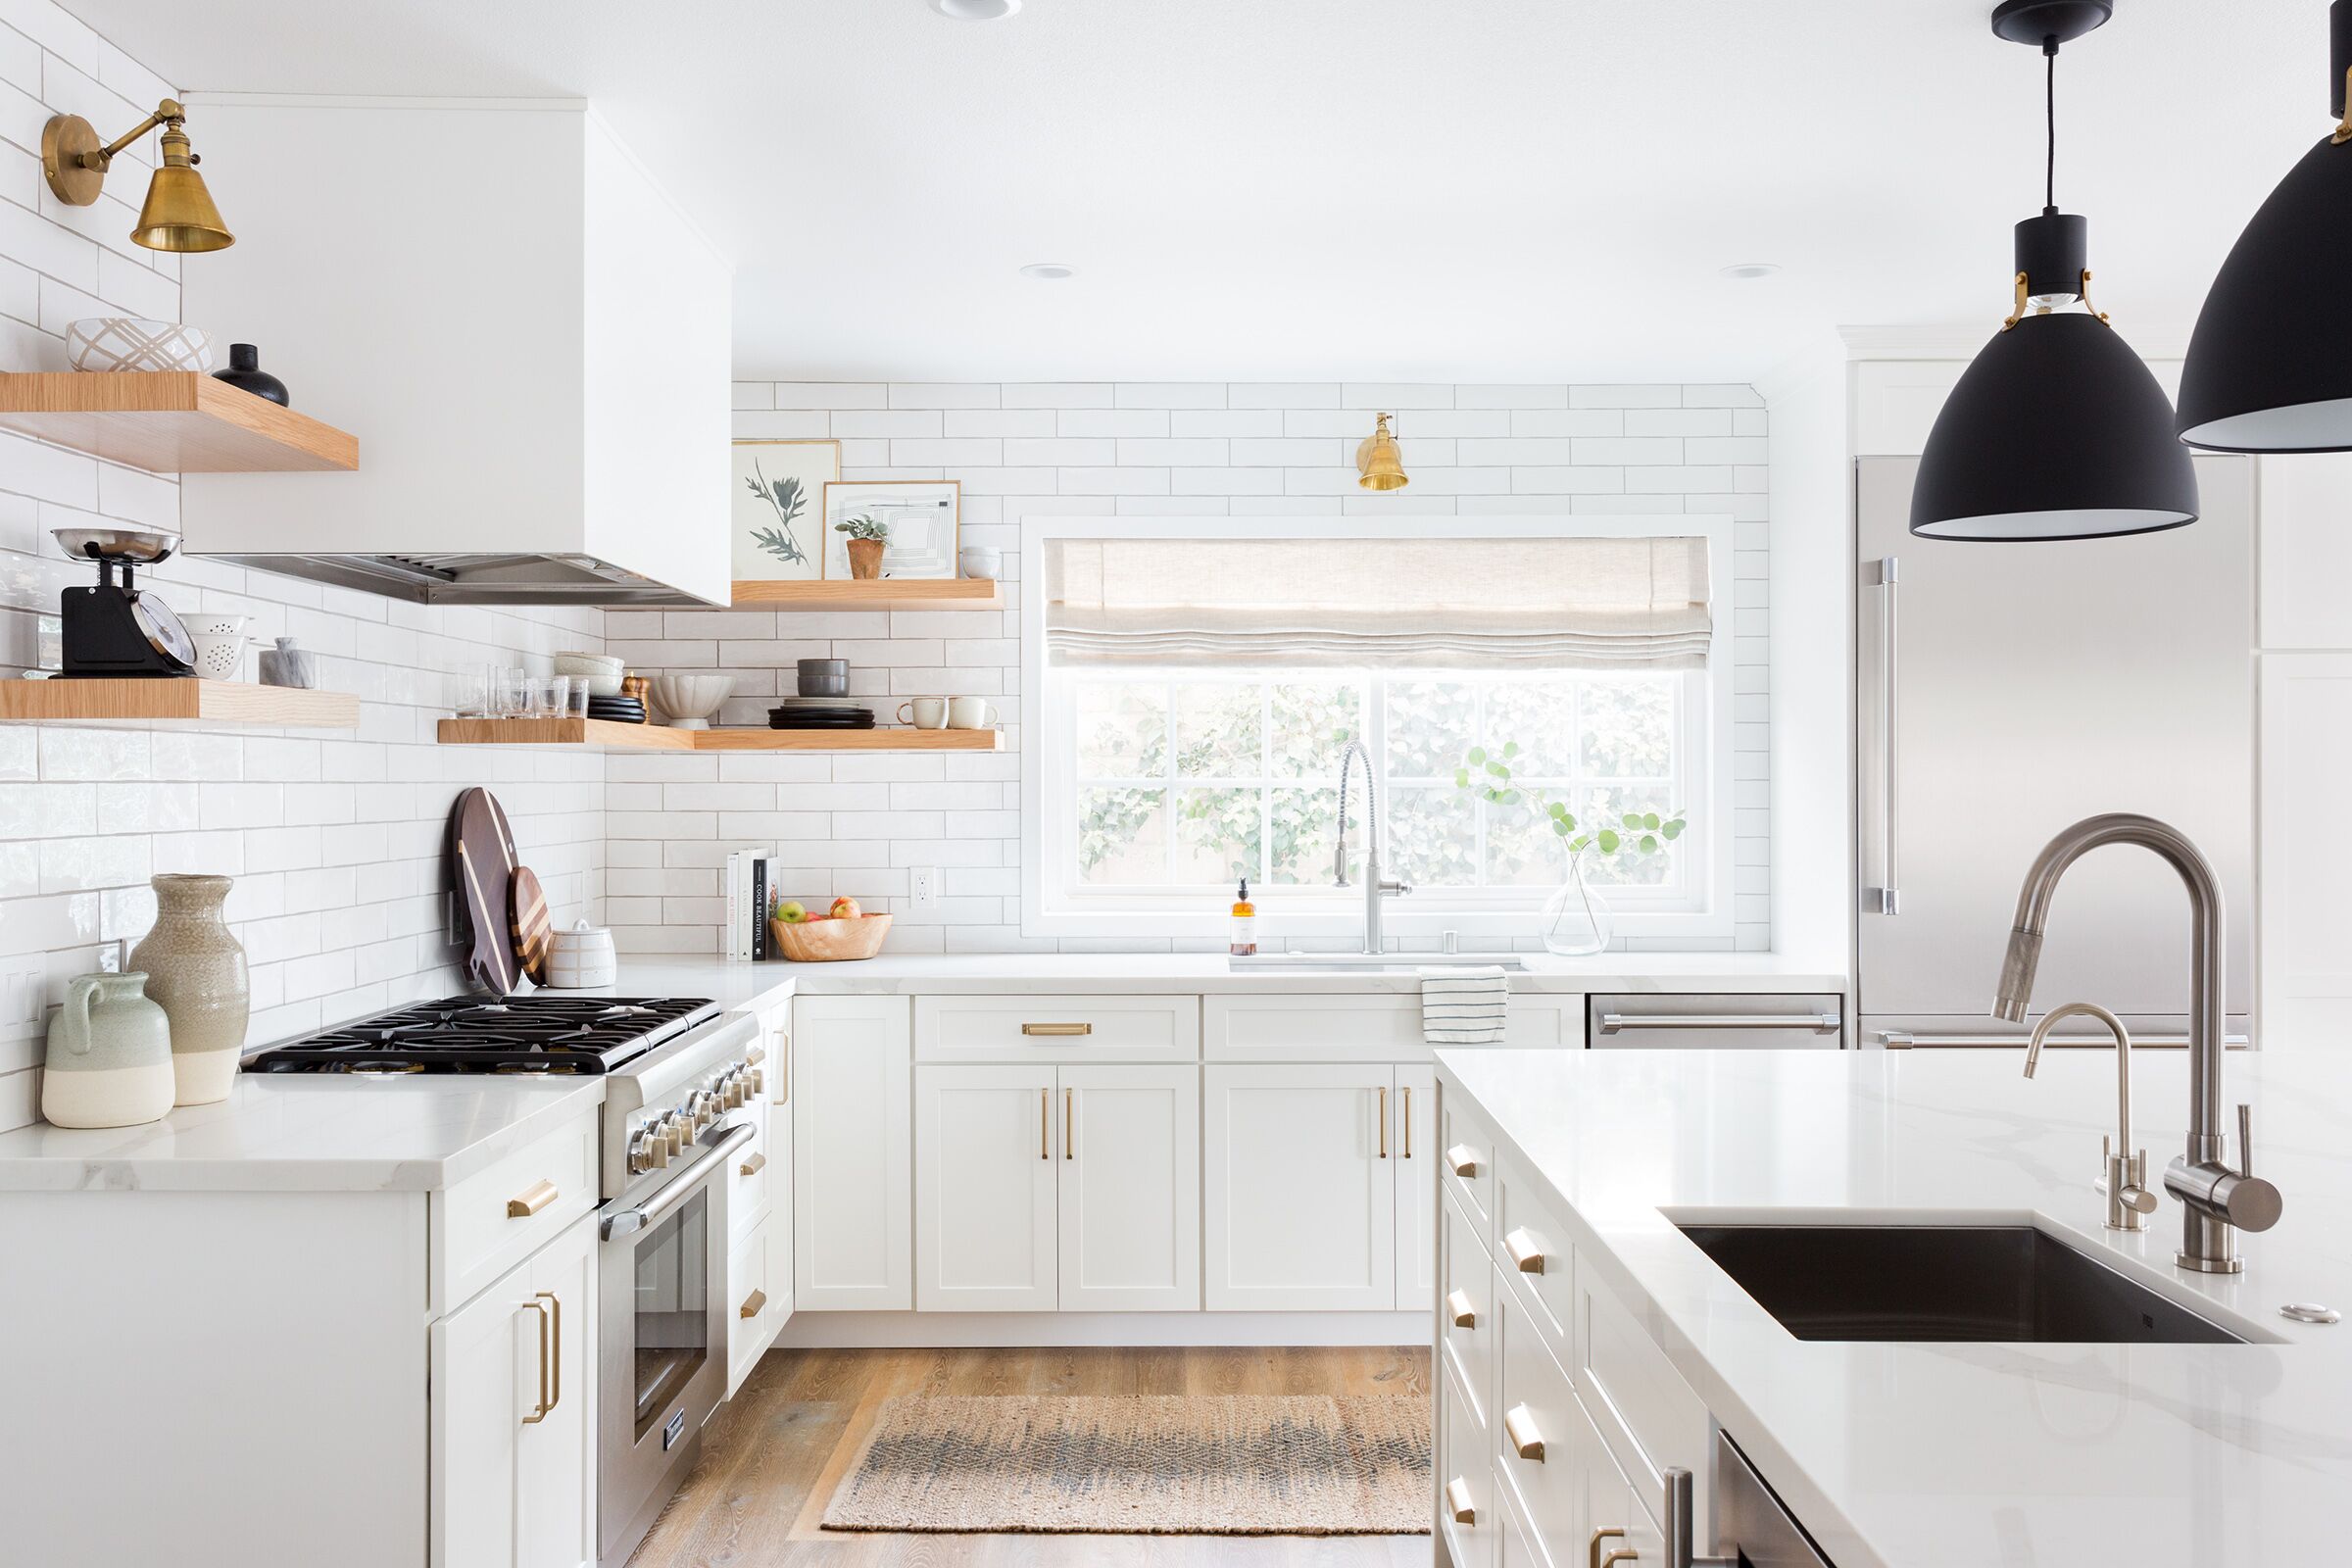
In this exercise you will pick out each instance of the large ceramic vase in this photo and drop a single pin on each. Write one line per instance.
(196, 973)
(110, 1055)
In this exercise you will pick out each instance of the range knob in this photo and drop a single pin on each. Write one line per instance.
(673, 1134)
(731, 1090)
(707, 1107)
(648, 1150)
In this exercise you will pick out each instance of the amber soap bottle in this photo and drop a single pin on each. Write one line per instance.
(1245, 923)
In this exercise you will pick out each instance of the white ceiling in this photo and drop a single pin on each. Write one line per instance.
(1361, 189)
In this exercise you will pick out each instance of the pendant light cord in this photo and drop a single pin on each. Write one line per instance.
(2049, 172)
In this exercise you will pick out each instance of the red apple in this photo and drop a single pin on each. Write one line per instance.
(845, 908)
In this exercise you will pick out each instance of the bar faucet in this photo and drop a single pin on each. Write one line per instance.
(2129, 1201)
(2216, 1201)
(1376, 887)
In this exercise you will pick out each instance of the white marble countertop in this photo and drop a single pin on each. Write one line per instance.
(1969, 1455)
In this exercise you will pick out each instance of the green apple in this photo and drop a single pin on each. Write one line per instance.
(791, 911)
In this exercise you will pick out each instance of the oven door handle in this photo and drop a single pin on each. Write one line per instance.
(620, 1222)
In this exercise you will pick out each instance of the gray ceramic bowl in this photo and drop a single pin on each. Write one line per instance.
(824, 677)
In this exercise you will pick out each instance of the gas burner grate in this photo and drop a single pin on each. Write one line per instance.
(533, 1034)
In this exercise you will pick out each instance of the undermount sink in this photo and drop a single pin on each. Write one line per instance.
(2005, 1284)
(1369, 963)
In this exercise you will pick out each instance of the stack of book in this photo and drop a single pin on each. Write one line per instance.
(753, 895)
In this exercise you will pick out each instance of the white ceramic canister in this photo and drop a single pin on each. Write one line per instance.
(581, 957)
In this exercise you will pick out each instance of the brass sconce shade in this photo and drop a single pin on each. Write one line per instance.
(1379, 464)
(178, 215)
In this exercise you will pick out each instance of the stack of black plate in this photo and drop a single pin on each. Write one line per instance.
(819, 712)
(618, 710)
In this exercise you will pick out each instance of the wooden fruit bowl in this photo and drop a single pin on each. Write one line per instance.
(830, 941)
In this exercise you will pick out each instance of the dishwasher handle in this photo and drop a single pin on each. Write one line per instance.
(1820, 1023)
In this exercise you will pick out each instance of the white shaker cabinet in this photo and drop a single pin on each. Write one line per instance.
(851, 1089)
(1130, 1189)
(1413, 1135)
(1300, 1192)
(984, 1189)
(513, 1448)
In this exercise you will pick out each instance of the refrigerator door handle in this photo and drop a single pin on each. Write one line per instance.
(1888, 898)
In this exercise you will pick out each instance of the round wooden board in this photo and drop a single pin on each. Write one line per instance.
(532, 931)
(484, 871)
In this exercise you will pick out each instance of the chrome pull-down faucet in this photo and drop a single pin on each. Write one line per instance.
(2217, 1202)
(1376, 887)
(2129, 1201)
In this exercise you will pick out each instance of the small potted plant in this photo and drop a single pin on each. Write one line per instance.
(866, 539)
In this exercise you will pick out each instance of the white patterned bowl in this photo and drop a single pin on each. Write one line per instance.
(601, 673)
(691, 700)
(218, 657)
(131, 343)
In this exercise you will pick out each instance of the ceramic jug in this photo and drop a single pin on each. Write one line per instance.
(197, 975)
(110, 1054)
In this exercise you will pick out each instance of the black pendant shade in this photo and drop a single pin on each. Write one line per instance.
(2270, 364)
(2056, 431)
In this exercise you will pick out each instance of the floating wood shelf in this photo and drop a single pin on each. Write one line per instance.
(221, 702)
(884, 593)
(598, 732)
(171, 422)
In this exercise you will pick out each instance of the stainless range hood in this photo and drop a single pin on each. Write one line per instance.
(481, 579)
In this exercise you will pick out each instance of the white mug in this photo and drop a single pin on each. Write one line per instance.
(930, 712)
(971, 712)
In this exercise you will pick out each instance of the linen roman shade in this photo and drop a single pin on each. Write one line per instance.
(1419, 604)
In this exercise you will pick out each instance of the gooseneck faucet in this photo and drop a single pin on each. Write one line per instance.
(2129, 1201)
(2216, 1201)
(1376, 887)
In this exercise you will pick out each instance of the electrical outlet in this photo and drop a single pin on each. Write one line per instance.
(923, 887)
(24, 1002)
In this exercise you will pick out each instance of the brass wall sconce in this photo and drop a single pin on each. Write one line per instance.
(178, 213)
(1379, 463)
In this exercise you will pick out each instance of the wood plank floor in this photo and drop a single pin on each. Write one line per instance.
(773, 1455)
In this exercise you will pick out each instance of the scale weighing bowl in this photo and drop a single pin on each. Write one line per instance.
(142, 546)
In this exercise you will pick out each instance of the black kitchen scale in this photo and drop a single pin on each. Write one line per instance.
(115, 629)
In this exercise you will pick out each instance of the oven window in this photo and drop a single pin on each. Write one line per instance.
(673, 1319)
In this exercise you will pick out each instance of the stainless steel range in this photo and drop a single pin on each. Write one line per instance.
(678, 1072)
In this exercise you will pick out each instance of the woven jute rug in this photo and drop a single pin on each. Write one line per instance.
(1153, 1464)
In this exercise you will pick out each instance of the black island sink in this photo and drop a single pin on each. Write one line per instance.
(2003, 1284)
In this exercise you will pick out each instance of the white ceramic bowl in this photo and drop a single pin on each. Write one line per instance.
(132, 343)
(691, 700)
(601, 671)
(219, 656)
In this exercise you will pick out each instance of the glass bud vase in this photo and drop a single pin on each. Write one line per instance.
(1576, 920)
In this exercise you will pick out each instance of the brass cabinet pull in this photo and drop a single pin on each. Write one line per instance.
(1457, 1502)
(1621, 1554)
(1045, 1123)
(1592, 1547)
(1384, 1123)
(1464, 1161)
(535, 1198)
(1069, 1128)
(1407, 1122)
(1520, 1428)
(1526, 1257)
(558, 1302)
(753, 1305)
(1458, 1308)
(1057, 1028)
(754, 1166)
(544, 1402)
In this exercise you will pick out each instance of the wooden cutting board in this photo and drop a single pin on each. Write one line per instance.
(485, 873)
(534, 932)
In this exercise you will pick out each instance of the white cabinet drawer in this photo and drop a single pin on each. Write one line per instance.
(1466, 1290)
(749, 1174)
(1542, 1449)
(1466, 1153)
(1532, 1250)
(753, 1310)
(1648, 1415)
(1031, 1029)
(495, 1218)
(1465, 1479)
(1386, 1027)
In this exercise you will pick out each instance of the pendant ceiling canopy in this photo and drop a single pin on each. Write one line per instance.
(2270, 364)
(2056, 430)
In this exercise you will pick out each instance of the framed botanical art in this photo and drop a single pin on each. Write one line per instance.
(776, 527)
(918, 517)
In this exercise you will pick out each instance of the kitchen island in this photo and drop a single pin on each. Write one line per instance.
(1902, 1454)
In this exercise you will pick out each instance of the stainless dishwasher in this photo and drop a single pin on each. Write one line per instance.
(1780, 1021)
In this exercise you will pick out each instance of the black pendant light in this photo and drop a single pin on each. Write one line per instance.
(2270, 364)
(2056, 430)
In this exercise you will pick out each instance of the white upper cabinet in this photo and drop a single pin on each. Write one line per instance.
(530, 340)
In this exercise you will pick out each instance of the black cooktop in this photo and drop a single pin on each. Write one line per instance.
(533, 1034)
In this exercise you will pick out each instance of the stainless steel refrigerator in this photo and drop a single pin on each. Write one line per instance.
(2004, 691)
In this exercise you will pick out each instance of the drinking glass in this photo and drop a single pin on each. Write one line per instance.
(513, 690)
(551, 696)
(576, 703)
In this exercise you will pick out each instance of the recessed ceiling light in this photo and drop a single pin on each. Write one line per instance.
(1052, 271)
(1749, 269)
(976, 9)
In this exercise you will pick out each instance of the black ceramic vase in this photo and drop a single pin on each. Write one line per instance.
(245, 372)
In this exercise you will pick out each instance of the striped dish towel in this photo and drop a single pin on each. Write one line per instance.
(1464, 1007)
